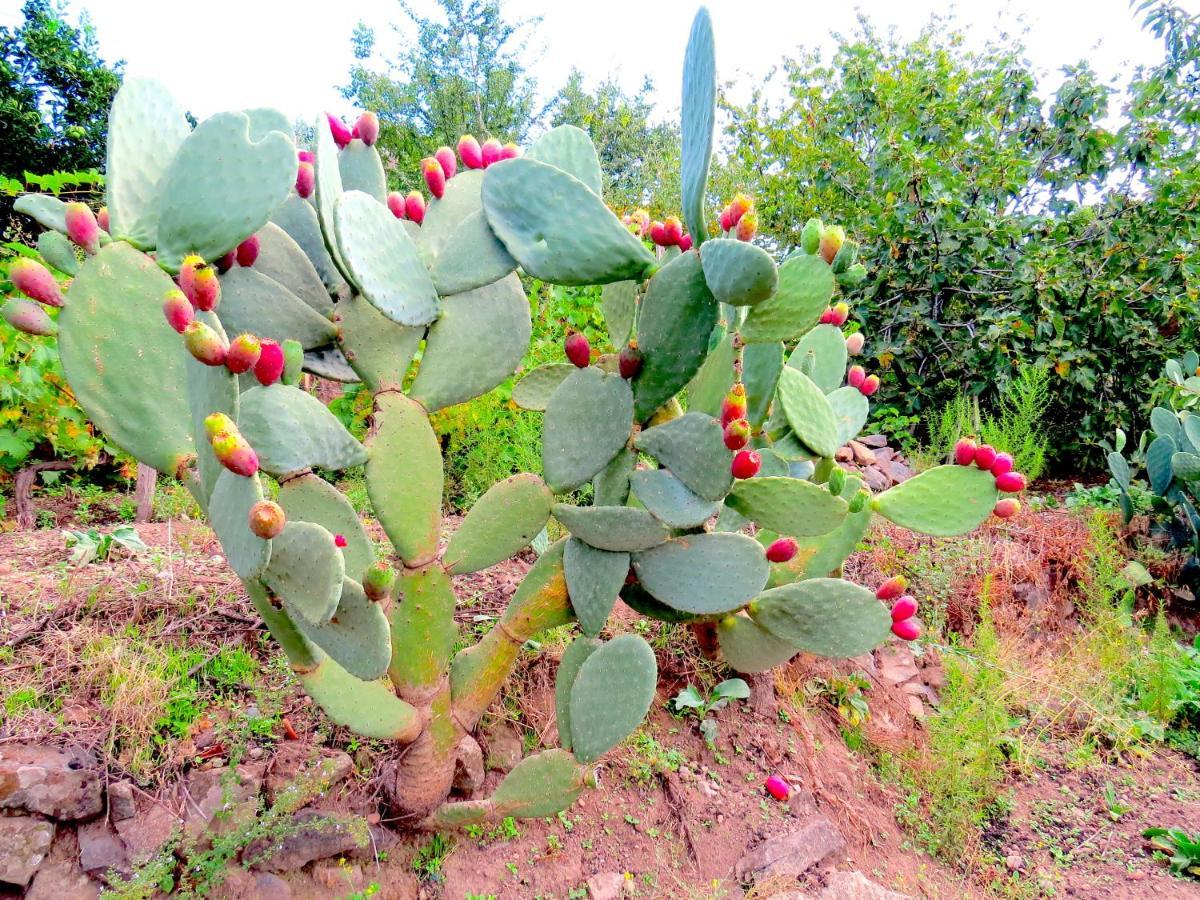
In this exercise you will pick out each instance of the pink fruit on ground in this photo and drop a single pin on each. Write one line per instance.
(985, 455)
(178, 311)
(234, 453)
(445, 158)
(869, 386)
(491, 151)
(339, 540)
(854, 343)
(395, 202)
(1007, 508)
(414, 205)
(892, 588)
(34, 280)
(247, 251)
(747, 227)
(904, 608)
(855, 376)
(1002, 463)
(102, 218)
(306, 179)
(658, 233)
(737, 434)
(270, 363)
(907, 629)
(267, 519)
(685, 243)
(510, 151)
(733, 406)
(672, 231)
(206, 288)
(578, 350)
(778, 788)
(341, 134)
(243, 353)
(782, 550)
(82, 227)
(470, 152)
(629, 360)
(964, 451)
(1011, 482)
(435, 176)
(204, 344)
(746, 464)
(367, 128)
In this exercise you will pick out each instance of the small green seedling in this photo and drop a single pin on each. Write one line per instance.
(1184, 849)
(690, 700)
(92, 545)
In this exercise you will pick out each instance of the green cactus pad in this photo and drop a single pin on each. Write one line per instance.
(668, 499)
(819, 556)
(1164, 423)
(356, 636)
(285, 261)
(383, 260)
(773, 465)
(594, 578)
(808, 411)
(610, 487)
(1120, 470)
(252, 303)
(1186, 466)
(503, 521)
(368, 708)
(703, 574)
(310, 498)
(404, 477)
(788, 505)
(229, 512)
(298, 218)
(568, 668)
(208, 209)
(210, 389)
(611, 695)
(58, 252)
(588, 420)
(850, 410)
(714, 379)
(615, 528)
(264, 120)
(761, 366)
(125, 365)
(538, 786)
(472, 257)
(748, 647)
(423, 629)
(824, 349)
(1158, 461)
(327, 188)
(730, 520)
(48, 211)
(639, 600)
(362, 170)
(535, 387)
(291, 430)
(618, 301)
(943, 501)
(475, 344)
(738, 273)
(693, 448)
(570, 149)
(805, 289)
(557, 228)
(378, 349)
(699, 113)
(826, 616)
(463, 196)
(678, 314)
(1191, 429)
(306, 570)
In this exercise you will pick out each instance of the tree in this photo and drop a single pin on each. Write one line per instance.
(55, 92)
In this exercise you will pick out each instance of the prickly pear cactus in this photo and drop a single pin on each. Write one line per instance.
(233, 262)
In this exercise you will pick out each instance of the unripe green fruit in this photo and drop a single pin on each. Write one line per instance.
(810, 237)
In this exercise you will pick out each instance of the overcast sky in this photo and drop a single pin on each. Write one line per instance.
(222, 54)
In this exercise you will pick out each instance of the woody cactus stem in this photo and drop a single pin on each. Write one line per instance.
(268, 260)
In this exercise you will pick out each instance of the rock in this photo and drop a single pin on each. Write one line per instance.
(338, 878)
(856, 886)
(802, 803)
(468, 767)
(316, 835)
(120, 801)
(862, 455)
(220, 800)
(606, 886)
(916, 708)
(60, 877)
(62, 784)
(896, 664)
(242, 885)
(1014, 862)
(301, 762)
(381, 841)
(24, 843)
(145, 834)
(843, 454)
(873, 440)
(504, 748)
(100, 850)
(794, 853)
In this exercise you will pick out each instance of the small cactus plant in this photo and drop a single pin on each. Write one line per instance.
(309, 261)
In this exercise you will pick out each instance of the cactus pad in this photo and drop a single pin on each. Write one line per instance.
(588, 420)
(808, 411)
(423, 629)
(613, 528)
(618, 301)
(611, 695)
(535, 387)
(370, 708)
(472, 257)
(291, 430)
(826, 616)
(58, 252)
(703, 574)
(610, 487)
(713, 380)
(503, 521)
(568, 667)
(821, 355)
(306, 571)
(253, 303)
(699, 113)
(298, 218)
(356, 636)
(48, 211)
(850, 409)
(738, 273)
(285, 261)
(693, 449)
(362, 170)
(788, 505)
(310, 498)
(805, 289)
(538, 786)
(943, 501)
(668, 499)
(570, 149)
(748, 647)
(229, 511)
(594, 578)
(378, 349)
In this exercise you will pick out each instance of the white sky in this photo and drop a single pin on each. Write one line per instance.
(222, 54)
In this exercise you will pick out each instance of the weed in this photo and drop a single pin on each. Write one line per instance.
(651, 758)
(690, 701)
(430, 857)
(1184, 849)
(843, 694)
(92, 545)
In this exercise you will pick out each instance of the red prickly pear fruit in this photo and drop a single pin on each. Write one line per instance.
(470, 152)
(414, 205)
(904, 608)
(964, 451)
(854, 343)
(869, 386)
(746, 464)
(435, 176)
(177, 309)
(216, 423)
(892, 588)
(396, 203)
(510, 151)
(367, 128)
(102, 218)
(206, 289)
(855, 376)
(306, 179)
(778, 788)
(832, 239)
(1001, 464)
(1011, 483)
(378, 581)
(341, 134)
(29, 317)
(339, 541)
(491, 151)
(841, 312)
(270, 363)
(266, 519)
(1006, 508)
(827, 316)
(907, 629)
(725, 220)
(234, 453)
(34, 280)
(305, 156)
(247, 251)
(226, 262)
(187, 272)
(629, 360)
(204, 344)
(985, 455)
(733, 406)
(685, 243)
(658, 233)
(737, 434)
(782, 550)
(578, 350)
(445, 158)
(82, 227)
(672, 231)
(747, 226)
(243, 353)
(738, 207)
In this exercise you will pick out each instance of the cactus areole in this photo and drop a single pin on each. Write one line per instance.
(297, 258)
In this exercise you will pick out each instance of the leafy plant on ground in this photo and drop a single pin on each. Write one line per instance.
(846, 694)
(1184, 849)
(690, 701)
(96, 546)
